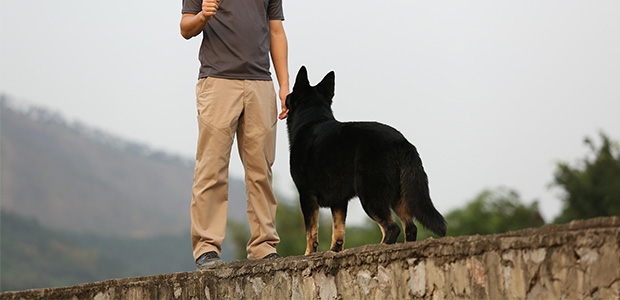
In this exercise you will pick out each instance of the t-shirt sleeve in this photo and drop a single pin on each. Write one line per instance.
(275, 10)
(191, 7)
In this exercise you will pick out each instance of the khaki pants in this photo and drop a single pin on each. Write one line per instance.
(247, 108)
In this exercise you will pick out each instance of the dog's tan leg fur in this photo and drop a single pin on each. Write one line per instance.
(312, 234)
(406, 219)
(402, 211)
(382, 233)
(338, 221)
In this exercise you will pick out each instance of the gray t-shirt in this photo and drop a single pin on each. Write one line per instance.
(236, 41)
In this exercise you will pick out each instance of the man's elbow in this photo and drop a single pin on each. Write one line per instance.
(187, 31)
(186, 34)
(183, 30)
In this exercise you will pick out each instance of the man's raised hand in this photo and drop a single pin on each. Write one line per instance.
(209, 8)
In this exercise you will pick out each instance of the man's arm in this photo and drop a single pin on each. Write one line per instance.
(192, 25)
(279, 56)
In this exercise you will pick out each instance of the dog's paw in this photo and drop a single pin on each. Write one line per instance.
(312, 249)
(338, 245)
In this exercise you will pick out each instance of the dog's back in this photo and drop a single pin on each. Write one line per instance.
(336, 154)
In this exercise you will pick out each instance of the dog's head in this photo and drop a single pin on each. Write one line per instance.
(305, 96)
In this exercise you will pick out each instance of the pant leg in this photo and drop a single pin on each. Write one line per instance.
(219, 104)
(256, 137)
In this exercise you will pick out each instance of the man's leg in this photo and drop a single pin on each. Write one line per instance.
(256, 137)
(219, 104)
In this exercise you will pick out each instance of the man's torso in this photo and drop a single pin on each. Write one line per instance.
(236, 40)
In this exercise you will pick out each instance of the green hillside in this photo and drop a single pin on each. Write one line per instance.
(81, 205)
(36, 257)
(62, 178)
(72, 177)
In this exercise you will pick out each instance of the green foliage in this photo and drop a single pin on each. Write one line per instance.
(592, 187)
(291, 228)
(493, 211)
(30, 254)
(239, 235)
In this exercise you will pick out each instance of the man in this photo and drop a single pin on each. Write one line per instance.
(235, 95)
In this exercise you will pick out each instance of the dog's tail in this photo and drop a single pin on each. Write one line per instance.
(415, 192)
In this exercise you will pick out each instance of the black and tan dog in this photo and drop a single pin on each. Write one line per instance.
(332, 162)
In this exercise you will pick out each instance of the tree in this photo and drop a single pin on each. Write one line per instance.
(592, 186)
(493, 211)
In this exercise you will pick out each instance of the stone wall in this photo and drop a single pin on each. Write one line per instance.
(579, 260)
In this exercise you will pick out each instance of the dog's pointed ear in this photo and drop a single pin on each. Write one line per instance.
(327, 85)
(301, 82)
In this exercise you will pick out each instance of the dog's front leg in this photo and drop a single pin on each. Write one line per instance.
(339, 215)
(310, 210)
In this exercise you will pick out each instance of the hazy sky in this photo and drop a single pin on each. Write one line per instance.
(492, 93)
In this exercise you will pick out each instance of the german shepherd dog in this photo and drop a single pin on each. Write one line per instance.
(331, 162)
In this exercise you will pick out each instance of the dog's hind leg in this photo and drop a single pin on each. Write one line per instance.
(310, 210)
(404, 214)
(376, 204)
(339, 214)
(376, 189)
(383, 217)
(389, 229)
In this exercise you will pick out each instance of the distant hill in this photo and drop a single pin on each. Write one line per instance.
(76, 178)
(79, 205)
(38, 257)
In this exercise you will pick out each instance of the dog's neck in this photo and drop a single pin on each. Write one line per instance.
(297, 124)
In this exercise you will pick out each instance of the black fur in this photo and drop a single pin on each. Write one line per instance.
(331, 162)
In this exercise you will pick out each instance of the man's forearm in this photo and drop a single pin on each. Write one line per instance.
(192, 25)
(279, 56)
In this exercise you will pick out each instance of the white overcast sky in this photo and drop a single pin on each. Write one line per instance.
(493, 93)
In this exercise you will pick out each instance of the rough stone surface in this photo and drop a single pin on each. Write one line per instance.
(579, 260)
